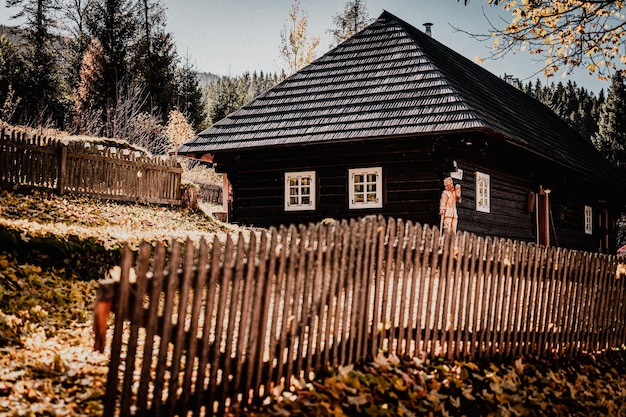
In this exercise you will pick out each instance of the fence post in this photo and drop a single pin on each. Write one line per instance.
(62, 173)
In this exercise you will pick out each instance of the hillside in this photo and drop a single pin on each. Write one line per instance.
(46, 356)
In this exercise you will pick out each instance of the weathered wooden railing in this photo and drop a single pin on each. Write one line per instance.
(224, 324)
(87, 168)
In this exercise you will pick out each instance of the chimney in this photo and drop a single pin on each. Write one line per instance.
(428, 27)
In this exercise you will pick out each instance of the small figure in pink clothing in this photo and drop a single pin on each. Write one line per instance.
(447, 205)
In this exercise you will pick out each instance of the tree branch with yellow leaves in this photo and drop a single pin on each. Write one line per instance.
(565, 33)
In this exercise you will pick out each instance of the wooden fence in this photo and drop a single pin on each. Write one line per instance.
(87, 168)
(223, 324)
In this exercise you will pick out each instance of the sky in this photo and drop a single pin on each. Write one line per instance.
(229, 37)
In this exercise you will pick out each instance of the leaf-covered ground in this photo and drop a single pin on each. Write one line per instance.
(393, 386)
(109, 223)
(48, 366)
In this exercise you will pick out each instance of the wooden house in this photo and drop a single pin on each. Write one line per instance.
(374, 125)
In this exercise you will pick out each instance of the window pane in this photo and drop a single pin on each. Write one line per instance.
(299, 191)
(365, 188)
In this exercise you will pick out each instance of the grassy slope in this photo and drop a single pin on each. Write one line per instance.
(48, 366)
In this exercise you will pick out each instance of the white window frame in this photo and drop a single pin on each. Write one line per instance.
(483, 192)
(588, 215)
(302, 192)
(361, 187)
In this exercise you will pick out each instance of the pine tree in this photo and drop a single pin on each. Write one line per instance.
(11, 78)
(189, 96)
(43, 100)
(155, 59)
(76, 40)
(114, 24)
(225, 96)
(352, 20)
(611, 137)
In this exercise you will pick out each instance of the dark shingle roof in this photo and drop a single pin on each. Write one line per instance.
(393, 80)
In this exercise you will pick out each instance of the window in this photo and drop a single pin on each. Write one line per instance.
(483, 202)
(365, 188)
(588, 220)
(300, 191)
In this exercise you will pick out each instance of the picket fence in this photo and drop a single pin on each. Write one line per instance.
(99, 170)
(217, 326)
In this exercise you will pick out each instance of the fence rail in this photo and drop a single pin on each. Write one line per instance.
(87, 168)
(225, 323)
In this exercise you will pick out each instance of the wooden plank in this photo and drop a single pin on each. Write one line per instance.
(405, 300)
(572, 301)
(475, 276)
(591, 288)
(181, 318)
(382, 267)
(364, 279)
(244, 339)
(286, 339)
(460, 300)
(602, 313)
(580, 323)
(156, 289)
(544, 293)
(265, 302)
(313, 298)
(122, 296)
(355, 274)
(535, 300)
(503, 297)
(275, 353)
(222, 301)
(258, 324)
(414, 307)
(199, 300)
(304, 278)
(331, 330)
(444, 290)
(521, 297)
(620, 334)
(429, 338)
(209, 309)
(324, 301)
(394, 342)
(234, 309)
(341, 310)
(560, 318)
(485, 291)
(136, 315)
